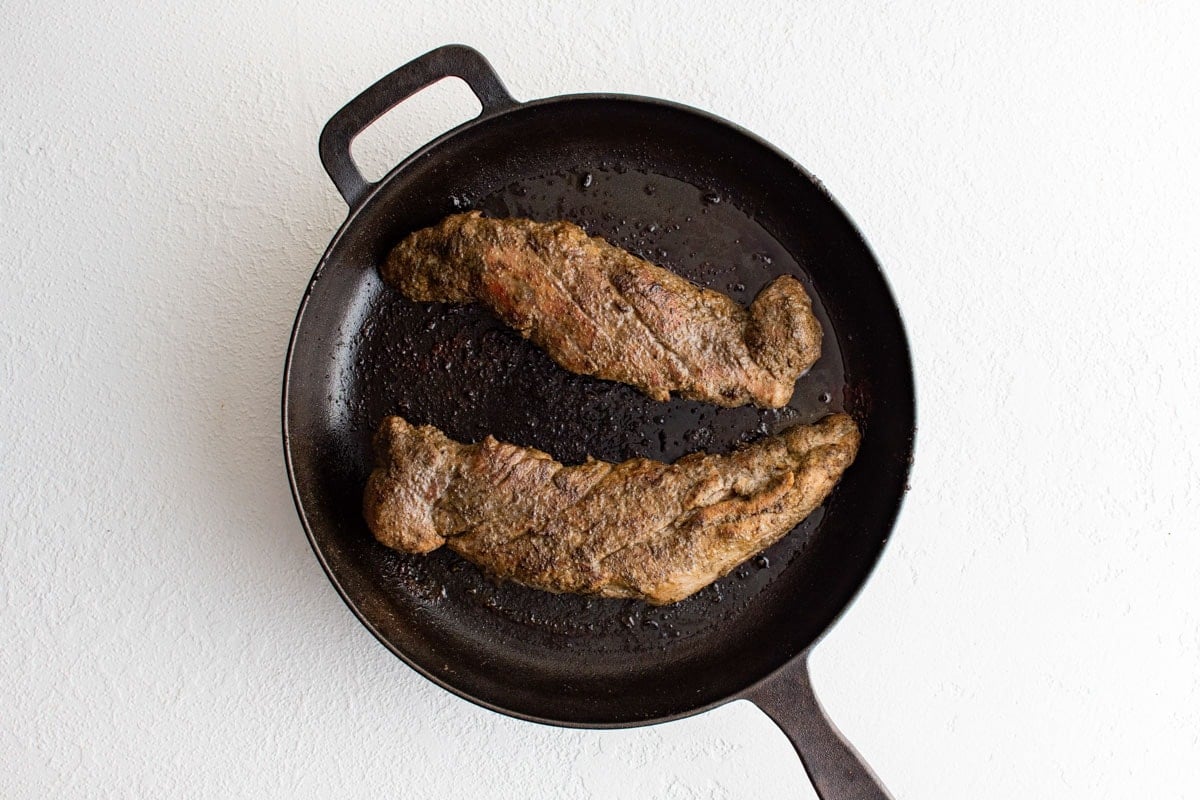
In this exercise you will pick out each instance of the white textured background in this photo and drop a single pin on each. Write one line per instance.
(1028, 175)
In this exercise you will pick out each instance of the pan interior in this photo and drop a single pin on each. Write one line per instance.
(678, 189)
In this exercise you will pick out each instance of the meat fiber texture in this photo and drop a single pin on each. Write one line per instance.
(598, 310)
(638, 529)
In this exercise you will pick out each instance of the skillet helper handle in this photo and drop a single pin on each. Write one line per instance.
(836, 770)
(450, 61)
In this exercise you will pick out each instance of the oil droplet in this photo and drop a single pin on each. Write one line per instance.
(587, 180)
(825, 397)
(762, 562)
(712, 198)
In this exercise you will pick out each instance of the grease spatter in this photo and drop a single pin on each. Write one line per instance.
(492, 381)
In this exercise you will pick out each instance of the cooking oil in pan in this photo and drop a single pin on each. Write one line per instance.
(462, 370)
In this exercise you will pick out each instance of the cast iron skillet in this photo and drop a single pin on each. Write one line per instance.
(686, 190)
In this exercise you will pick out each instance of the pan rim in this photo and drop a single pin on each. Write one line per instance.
(367, 199)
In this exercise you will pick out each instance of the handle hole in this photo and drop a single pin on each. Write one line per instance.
(427, 114)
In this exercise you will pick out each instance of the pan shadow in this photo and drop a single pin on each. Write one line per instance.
(236, 349)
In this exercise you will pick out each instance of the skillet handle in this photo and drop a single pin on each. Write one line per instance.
(836, 770)
(453, 60)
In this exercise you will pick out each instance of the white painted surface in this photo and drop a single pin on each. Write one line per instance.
(1028, 176)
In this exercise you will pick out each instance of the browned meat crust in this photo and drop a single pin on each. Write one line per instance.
(640, 529)
(598, 310)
